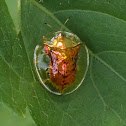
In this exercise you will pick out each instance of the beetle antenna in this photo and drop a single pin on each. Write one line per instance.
(64, 23)
(66, 20)
(48, 25)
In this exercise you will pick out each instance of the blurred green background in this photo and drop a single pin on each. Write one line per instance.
(13, 6)
(7, 116)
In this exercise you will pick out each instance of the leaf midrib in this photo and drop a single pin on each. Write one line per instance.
(90, 11)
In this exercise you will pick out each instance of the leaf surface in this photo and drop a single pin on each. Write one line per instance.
(9, 79)
(112, 7)
(100, 101)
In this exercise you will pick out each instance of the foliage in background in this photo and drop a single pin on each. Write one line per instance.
(101, 24)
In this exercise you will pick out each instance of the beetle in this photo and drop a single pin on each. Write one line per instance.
(61, 63)
(63, 54)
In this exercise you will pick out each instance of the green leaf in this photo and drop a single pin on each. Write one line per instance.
(101, 32)
(9, 79)
(13, 9)
(100, 101)
(8, 117)
(112, 7)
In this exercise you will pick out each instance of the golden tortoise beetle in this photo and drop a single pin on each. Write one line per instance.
(61, 63)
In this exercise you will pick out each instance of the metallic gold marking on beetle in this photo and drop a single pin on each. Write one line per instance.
(62, 70)
(61, 62)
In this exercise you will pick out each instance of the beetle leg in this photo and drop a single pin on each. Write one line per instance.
(47, 75)
(43, 53)
(45, 80)
(47, 71)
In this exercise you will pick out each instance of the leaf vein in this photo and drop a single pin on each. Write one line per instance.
(111, 51)
(23, 114)
(99, 94)
(87, 11)
(112, 69)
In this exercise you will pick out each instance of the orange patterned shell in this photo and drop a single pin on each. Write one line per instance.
(63, 54)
